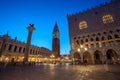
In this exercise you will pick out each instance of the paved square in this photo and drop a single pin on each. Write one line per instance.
(60, 72)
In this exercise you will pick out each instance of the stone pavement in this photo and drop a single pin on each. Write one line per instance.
(60, 72)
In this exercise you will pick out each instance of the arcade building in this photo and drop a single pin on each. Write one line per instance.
(95, 34)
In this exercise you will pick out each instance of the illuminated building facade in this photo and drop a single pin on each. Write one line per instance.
(14, 49)
(95, 34)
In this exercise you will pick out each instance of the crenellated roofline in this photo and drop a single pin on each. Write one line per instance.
(88, 9)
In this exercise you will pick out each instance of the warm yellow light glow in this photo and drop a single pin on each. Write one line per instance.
(108, 19)
(83, 25)
(32, 59)
(81, 46)
(45, 58)
(6, 58)
(78, 50)
(52, 56)
(85, 49)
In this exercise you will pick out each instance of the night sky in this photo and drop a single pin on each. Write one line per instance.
(16, 15)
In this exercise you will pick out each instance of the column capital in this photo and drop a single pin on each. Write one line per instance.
(31, 27)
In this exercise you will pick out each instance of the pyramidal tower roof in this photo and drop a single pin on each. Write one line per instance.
(55, 28)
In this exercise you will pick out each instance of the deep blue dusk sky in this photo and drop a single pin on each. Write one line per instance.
(16, 15)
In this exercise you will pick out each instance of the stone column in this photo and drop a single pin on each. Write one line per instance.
(93, 60)
(13, 48)
(30, 30)
(17, 49)
(81, 57)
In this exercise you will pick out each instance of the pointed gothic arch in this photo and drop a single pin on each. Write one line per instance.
(76, 56)
(98, 56)
(87, 57)
(111, 56)
(116, 36)
(97, 39)
(103, 38)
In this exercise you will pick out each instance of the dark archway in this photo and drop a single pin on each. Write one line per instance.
(111, 56)
(98, 57)
(87, 57)
(76, 56)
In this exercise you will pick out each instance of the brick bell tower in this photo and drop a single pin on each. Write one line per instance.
(56, 41)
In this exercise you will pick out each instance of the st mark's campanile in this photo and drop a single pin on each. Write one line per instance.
(56, 41)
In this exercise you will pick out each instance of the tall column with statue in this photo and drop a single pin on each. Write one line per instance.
(30, 30)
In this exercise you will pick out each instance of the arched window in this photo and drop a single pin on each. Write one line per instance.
(23, 50)
(107, 19)
(92, 39)
(74, 38)
(77, 42)
(109, 37)
(10, 47)
(116, 36)
(83, 25)
(103, 38)
(20, 49)
(15, 49)
(117, 30)
(86, 40)
(88, 35)
(111, 32)
(104, 33)
(30, 51)
(98, 34)
(79, 37)
(97, 39)
(81, 41)
(93, 35)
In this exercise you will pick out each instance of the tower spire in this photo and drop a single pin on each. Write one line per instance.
(56, 31)
(56, 41)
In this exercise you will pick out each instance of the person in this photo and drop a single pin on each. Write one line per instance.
(13, 62)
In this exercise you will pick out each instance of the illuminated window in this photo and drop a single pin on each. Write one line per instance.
(83, 25)
(107, 19)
